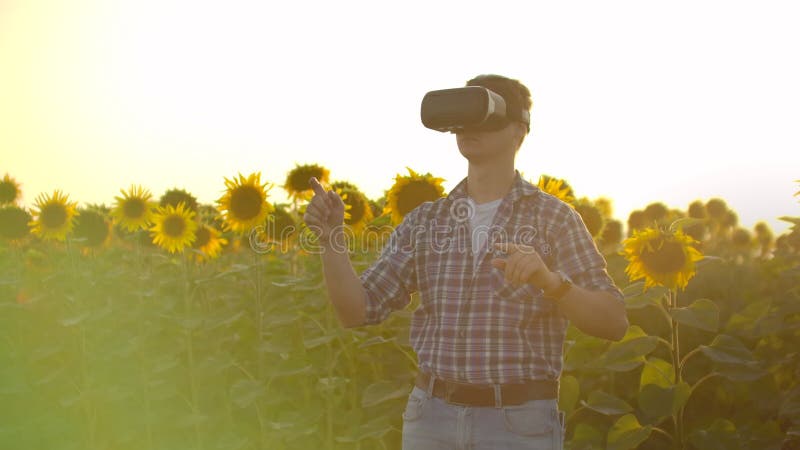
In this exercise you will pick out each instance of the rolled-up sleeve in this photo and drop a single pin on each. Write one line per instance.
(391, 279)
(579, 258)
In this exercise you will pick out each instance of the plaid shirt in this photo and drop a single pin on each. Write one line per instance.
(472, 326)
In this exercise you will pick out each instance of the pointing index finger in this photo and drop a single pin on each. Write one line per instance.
(318, 189)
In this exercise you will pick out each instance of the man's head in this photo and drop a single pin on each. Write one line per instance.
(479, 145)
(516, 94)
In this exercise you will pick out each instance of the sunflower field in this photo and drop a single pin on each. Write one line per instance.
(165, 323)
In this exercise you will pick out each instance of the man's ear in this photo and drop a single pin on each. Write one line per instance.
(522, 130)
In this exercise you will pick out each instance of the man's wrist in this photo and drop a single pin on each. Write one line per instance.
(553, 282)
(559, 288)
(334, 241)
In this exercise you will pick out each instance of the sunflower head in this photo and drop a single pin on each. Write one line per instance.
(656, 212)
(612, 234)
(208, 243)
(10, 191)
(556, 187)
(134, 209)
(591, 215)
(605, 205)
(14, 223)
(297, 181)
(175, 196)
(741, 239)
(244, 204)
(764, 235)
(716, 208)
(410, 191)
(357, 206)
(662, 257)
(173, 228)
(636, 221)
(697, 210)
(54, 216)
(92, 227)
(730, 219)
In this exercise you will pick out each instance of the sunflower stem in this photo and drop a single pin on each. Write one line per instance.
(190, 350)
(676, 364)
(259, 341)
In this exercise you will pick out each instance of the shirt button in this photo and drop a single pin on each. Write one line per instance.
(461, 374)
(462, 333)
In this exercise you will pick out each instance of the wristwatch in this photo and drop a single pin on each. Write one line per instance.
(559, 291)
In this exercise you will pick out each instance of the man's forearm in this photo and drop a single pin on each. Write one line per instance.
(597, 313)
(345, 290)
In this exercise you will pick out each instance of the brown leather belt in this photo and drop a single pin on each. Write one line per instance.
(487, 394)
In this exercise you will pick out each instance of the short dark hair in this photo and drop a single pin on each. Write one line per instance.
(516, 94)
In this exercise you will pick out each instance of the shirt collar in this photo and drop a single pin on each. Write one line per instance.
(519, 188)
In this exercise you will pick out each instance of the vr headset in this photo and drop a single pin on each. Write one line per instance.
(471, 108)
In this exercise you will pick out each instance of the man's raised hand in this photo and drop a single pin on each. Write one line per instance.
(325, 211)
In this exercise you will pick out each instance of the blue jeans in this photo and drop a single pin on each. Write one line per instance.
(431, 423)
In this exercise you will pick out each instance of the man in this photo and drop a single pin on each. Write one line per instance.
(489, 330)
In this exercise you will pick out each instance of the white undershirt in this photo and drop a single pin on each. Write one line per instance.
(479, 224)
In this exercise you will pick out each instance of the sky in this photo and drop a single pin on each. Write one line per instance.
(635, 101)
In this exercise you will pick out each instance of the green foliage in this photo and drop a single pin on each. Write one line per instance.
(128, 348)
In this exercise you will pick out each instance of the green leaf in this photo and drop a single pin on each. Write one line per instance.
(727, 349)
(702, 314)
(584, 352)
(636, 297)
(628, 353)
(319, 340)
(75, 320)
(658, 402)
(683, 222)
(607, 404)
(383, 391)
(749, 371)
(374, 429)
(721, 435)
(658, 372)
(245, 392)
(627, 433)
(568, 393)
(790, 408)
(587, 437)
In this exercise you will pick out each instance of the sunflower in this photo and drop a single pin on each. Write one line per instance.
(592, 216)
(282, 225)
(742, 240)
(54, 217)
(93, 228)
(410, 191)
(208, 244)
(173, 228)
(605, 205)
(636, 221)
(14, 223)
(612, 234)
(656, 212)
(10, 192)
(175, 196)
(557, 188)
(244, 204)
(280, 228)
(662, 258)
(359, 211)
(697, 210)
(716, 208)
(297, 181)
(134, 210)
